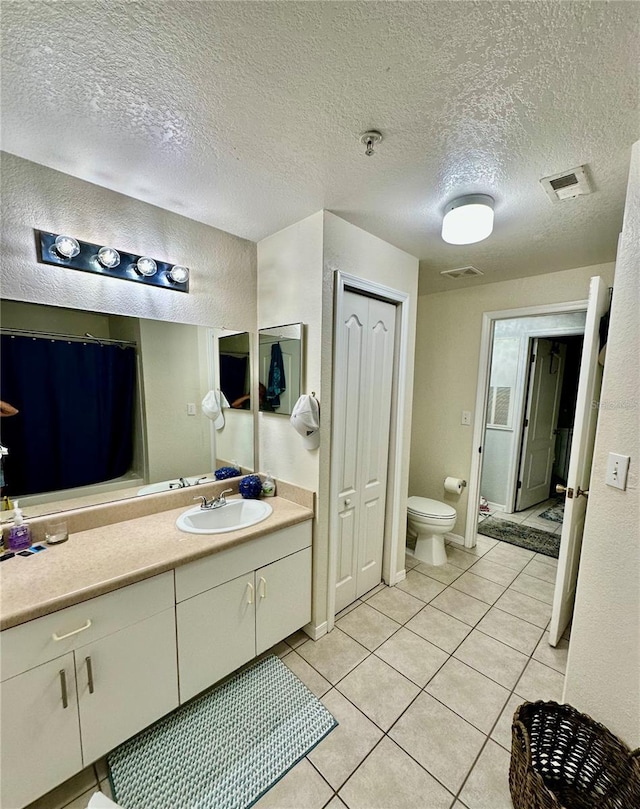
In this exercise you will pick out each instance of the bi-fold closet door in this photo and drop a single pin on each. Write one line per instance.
(364, 378)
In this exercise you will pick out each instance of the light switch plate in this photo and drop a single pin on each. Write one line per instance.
(617, 470)
(466, 417)
(191, 409)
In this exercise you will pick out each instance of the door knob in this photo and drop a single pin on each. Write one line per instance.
(560, 489)
(583, 492)
(347, 502)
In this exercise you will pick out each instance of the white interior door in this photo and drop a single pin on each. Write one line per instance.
(584, 430)
(541, 419)
(362, 411)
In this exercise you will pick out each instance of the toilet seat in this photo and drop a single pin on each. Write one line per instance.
(432, 509)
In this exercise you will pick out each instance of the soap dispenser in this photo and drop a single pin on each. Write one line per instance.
(19, 536)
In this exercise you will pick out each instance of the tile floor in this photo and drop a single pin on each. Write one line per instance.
(423, 679)
(530, 517)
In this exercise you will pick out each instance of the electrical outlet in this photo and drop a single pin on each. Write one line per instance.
(466, 417)
(191, 409)
(617, 470)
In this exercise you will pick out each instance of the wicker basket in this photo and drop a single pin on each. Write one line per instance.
(562, 759)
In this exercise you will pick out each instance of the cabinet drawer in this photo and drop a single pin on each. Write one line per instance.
(197, 577)
(40, 640)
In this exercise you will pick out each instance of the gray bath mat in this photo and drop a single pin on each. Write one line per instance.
(554, 513)
(224, 749)
(521, 535)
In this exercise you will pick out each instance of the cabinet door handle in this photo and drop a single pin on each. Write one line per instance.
(263, 587)
(63, 688)
(55, 636)
(249, 593)
(87, 660)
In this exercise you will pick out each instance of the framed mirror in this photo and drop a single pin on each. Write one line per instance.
(235, 370)
(280, 353)
(109, 407)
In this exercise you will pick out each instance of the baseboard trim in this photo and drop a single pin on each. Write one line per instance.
(401, 575)
(315, 632)
(455, 538)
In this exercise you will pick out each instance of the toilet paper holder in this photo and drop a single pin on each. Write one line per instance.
(454, 485)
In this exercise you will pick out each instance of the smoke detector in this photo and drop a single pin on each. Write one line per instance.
(567, 184)
(462, 272)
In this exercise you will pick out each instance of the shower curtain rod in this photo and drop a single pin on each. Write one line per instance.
(50, 335)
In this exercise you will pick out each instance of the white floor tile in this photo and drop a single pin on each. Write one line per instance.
(513, 631)
(390, 778)
(412, 656)
(461, 606)
(368, 626)
(379, 691)
(470, 694)
(338, 755)
(492, 658)
(301, 786)
(540, 682)
(488, 785)
(444, 743)
(555, 657)
(479, 587)
(439, 628)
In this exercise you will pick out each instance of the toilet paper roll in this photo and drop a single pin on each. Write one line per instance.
(454, 485)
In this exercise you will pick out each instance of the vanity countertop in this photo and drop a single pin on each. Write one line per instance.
(105, 558)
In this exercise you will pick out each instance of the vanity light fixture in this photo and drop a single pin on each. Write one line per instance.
(65, 251)
(178, 274)
(146, 266)
(108, 257)
(468, 219)
(66, 246)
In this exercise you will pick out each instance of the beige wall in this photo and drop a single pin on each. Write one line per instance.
(171, 433)
(223, 271)
(351, 250)
(446, 371)
(603, 672)
(290, 291)
(296, 269)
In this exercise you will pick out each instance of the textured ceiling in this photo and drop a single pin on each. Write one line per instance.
(246, 115)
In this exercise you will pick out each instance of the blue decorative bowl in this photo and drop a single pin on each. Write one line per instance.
(250, 487)
(226, 472)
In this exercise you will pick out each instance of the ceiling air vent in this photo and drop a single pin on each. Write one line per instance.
(567, 184)
(462, 272)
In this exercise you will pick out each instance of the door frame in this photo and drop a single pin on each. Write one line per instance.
(482, 390)
(524, 373)
(396, 499)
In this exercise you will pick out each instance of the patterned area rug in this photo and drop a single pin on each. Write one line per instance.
(555, 513)
(225, 749)
(521, 535)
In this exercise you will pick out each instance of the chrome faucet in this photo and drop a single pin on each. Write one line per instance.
(182, 484)
(215, 502)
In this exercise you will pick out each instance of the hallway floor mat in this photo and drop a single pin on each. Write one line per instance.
(521, 535)
(225, 748)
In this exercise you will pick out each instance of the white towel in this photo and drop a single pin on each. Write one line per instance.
(212, 405)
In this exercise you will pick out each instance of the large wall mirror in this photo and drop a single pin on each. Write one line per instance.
(280, 367)
(110, 406)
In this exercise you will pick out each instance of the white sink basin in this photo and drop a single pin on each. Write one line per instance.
(233, 516)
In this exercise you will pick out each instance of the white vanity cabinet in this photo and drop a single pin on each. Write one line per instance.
(79, 681)
(238, 603)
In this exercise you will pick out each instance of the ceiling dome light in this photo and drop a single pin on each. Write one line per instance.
(178, 274)
(108, 257)
(66, 246)
(146, 266)
(468, 219)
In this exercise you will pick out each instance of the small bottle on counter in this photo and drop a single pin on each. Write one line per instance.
(268, 486)
(19, 536)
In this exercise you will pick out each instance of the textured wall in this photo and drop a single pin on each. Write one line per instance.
(289, 291)
(603, 672)
(352, 250)
(223, 274)
(446, 372)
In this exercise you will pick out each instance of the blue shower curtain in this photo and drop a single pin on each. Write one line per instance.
(75, 420)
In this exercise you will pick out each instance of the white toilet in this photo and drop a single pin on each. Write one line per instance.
(429, 520)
